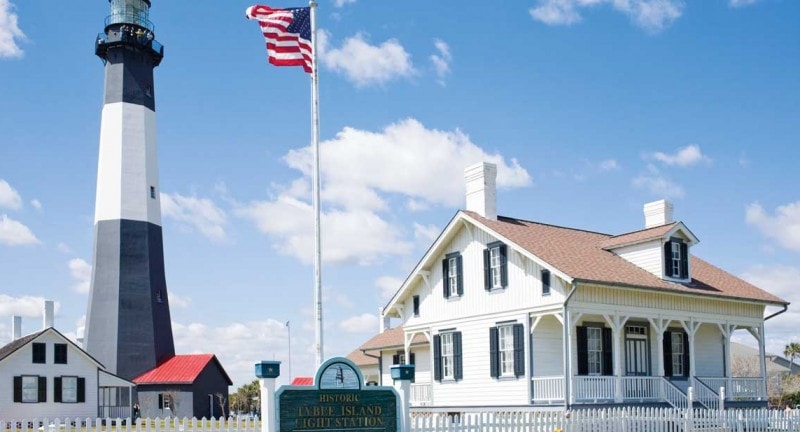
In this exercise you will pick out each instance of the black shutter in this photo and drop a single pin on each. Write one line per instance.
(160, 401)
(57, 389)
(668, 259)
(396, 359)
(583, 351)
(17, 389)
(667, 353)
(608, 352)
(503, 267)
(458, 371)
(545, 281)
(60, 353)
(519, 350)
(412, 359)
(42, 389)
(445, 279)
(494, 353)
(684, 261)
(459, 276)
(685, 355)
(81, 389)
(487, 270)
(437, 357)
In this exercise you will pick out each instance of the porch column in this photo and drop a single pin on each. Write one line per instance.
(617, 324)
(758, 333)
(571, 321)
(660, 326)
(727, 331)
(691, 328)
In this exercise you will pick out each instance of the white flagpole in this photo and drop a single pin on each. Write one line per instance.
(316, 186)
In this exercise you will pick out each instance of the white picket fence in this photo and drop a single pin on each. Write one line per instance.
(632, 419)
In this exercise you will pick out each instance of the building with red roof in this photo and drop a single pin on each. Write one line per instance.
(189, 385)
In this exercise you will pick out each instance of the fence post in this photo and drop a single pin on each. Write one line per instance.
(267, 371)
(689, 409)
(402, 376)
(722, 398)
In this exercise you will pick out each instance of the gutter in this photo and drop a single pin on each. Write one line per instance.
(567, 359)
(785, 308)
(380, 366)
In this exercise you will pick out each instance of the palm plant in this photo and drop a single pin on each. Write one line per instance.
(792, 350)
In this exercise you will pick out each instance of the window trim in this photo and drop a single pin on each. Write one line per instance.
(589, 331)
(495, 276)
(680, 359)
(447, 340)
(453, 274)
(77, 379)
(505, 353)
(36, 381)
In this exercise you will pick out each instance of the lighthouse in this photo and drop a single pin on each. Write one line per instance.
(128, 327)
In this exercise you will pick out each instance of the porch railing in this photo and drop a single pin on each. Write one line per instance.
(548, 389)
(705, 394)
(642, 388)
(421, 394)
(594, 388)
(673, 395)
(740, 388)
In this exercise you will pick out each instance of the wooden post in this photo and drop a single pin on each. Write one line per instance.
(267, 372)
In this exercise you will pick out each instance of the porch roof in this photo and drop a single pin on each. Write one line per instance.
(391, 338)
(581, 255)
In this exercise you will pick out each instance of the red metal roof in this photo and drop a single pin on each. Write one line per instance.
(181, 369)
(303, 381)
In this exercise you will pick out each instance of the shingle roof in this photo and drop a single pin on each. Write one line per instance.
(580, 255)
(360, 359)
(638, 236)
(180, 369)
(391, 338)
(17, 344)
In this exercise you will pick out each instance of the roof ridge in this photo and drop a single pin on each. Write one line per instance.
(643, 229)
(553, 225)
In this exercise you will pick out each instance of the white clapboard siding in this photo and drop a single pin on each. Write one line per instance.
(548, 348)
(524, 289)
(708, 352)
(20, 363)
(649, 256)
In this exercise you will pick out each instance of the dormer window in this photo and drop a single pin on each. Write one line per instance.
(676, 259)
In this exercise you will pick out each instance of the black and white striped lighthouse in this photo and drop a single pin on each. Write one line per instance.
(128, 327)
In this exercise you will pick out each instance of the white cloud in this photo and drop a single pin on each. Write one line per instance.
(35, 203)
(364, 323)
(781, 281)
(651, 15)
(659, 186)
(364, 64)
(362, 171)
(783, 227)
(425, 234)
(341, 3)
(742, 3)
(25, 306)
(441, 61)
(9, 198)
(81, 273)
(388, 286)
(608, 165)
(63, 248)
(178, 301)
(238, 345)
(10, 33)
(199, 213)
(684, 157)
(13, 233)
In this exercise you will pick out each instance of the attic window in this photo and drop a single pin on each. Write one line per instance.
(676, 259)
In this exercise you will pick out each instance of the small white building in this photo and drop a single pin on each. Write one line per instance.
(518, 313)
(46, 375)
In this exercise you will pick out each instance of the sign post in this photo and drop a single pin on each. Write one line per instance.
(267, 371)
(402, 376)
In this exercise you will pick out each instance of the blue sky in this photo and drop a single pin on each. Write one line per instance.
(589, 107)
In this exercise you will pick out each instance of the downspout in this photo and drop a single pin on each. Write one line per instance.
(380, 365)
(785, 308)
(567, 359)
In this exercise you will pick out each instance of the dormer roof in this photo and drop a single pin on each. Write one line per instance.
(648, 234)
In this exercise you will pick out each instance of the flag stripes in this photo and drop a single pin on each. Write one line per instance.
(287, 33)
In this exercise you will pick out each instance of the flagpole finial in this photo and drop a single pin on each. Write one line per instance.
(312, 3)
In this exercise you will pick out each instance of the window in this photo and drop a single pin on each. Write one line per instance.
(400, 358)
(677, 353)
(495, 266)
(447, 356)
(416, 305)
(545, 282)
(69, 389)
(39, 352)
(506, 350)
(60, 353)
(30, 389)
(164, 401)
(158, 297)
(152, 192)
(676, 259)
(594, 350)
(452, 279)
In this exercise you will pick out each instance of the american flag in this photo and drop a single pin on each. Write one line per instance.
(288, 34)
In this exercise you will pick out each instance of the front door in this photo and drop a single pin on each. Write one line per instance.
(637, 354)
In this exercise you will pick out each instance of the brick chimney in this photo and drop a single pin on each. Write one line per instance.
(481, 182)
(657, 213)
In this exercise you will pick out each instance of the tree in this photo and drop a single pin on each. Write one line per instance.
(246, 397)
(222, 401)
(792, 350)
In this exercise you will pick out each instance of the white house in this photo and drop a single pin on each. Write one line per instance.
(512, 312)
(46, 375)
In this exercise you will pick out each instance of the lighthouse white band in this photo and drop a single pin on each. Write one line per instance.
(128, 165)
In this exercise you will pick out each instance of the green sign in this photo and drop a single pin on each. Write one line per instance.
(337, 402)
